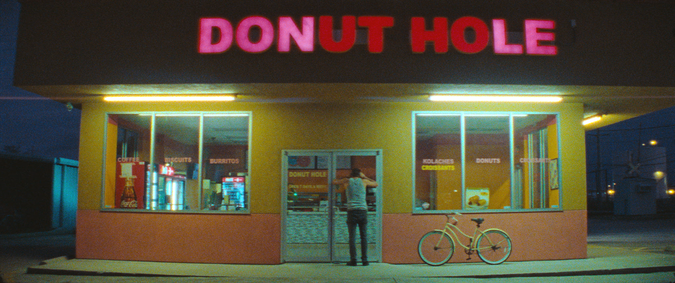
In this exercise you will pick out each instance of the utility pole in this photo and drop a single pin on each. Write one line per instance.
(598, 170)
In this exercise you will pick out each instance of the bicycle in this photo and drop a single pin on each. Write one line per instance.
(436, 247)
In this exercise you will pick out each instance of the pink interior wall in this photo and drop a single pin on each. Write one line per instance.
(535, 235)
(201, 238)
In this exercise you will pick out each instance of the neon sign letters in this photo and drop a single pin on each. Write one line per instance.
(218, 35)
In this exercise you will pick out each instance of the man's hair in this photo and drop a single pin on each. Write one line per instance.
(356, 172)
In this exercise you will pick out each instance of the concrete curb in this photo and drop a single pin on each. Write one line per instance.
(574, 273)
(57, 231)
(65, 266)
(484, 276)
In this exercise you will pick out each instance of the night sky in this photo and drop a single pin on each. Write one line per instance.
(35, 126)
(30, 124)
(630, 135)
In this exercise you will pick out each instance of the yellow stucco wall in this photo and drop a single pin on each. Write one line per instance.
(385, 126)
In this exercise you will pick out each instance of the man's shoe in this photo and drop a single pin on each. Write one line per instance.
(351, 263)
(365, 263)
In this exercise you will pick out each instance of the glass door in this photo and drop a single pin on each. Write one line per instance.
(307, 212)
(315, 212)
(368, 162)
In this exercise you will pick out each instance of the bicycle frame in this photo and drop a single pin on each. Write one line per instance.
(437, 246)
(455, 238)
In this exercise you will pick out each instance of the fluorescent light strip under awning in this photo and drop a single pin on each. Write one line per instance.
(591, 119)
(495, 98)
(167, 98)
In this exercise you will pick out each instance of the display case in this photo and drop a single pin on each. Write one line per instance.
(307, 202)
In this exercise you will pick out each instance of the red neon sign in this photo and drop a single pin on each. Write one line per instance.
(166, 170)
(500, 44)
(419, 35)
(233, 179)
(538, 36)
(326, 39)
(266, 34)
(533, 36)
(459, 41)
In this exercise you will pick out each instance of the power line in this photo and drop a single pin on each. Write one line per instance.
(634, 129)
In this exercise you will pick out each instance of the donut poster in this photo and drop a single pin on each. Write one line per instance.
(477, 198)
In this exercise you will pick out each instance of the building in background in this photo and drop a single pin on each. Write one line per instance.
(639, 180)
(37, 194)
(416, 94)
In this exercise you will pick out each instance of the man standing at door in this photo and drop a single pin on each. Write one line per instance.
(357, 211)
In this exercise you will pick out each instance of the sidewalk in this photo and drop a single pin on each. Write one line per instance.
(601, 260)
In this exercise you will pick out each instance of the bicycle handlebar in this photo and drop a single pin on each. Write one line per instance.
(453, 218)
(452, 213)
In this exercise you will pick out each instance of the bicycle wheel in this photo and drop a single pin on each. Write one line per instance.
(436, 248)
(494, 246)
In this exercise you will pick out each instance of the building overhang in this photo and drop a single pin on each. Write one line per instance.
(613, 103)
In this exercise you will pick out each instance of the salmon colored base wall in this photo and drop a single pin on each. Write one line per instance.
(535, 235)
(256, 238)
(198, 238)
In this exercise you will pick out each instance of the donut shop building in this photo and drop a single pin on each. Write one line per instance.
(211, 130)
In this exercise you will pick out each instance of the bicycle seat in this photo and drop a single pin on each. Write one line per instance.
(478, 220)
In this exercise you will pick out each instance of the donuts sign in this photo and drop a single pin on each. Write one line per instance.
(218, 35)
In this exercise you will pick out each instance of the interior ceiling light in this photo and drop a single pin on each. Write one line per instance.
(591, 119)
(168, 98)
(495, 98)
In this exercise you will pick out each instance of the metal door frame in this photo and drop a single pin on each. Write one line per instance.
(332, 154)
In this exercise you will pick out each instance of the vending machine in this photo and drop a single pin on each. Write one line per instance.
(234, 193)
(166, 189)
(130, 185)
(174, 192)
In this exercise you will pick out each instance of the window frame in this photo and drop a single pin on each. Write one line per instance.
(152, 141)
(512, 162)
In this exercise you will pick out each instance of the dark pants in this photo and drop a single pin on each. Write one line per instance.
(360, 218)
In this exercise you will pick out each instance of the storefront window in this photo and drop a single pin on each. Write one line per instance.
(153, 162)
(438, 180)
(176, 156)
(488, 166)
(537, 181)
(485, 161)
(225, 172)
